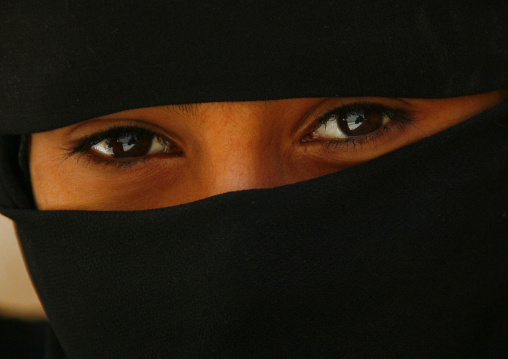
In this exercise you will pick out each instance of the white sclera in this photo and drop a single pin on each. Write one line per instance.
(103, 148)
(330, 129)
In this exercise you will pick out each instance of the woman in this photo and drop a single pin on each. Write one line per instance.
(261, 181)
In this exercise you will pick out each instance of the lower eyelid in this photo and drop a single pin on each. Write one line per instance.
(98, 160)
(358, 141)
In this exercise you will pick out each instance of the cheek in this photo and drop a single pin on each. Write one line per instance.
(76, 185)
(82, 190)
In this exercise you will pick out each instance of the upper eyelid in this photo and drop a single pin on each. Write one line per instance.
(356, 106)
(101, 125)
(132, 124)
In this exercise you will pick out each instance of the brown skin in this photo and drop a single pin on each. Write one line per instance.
(224, 147)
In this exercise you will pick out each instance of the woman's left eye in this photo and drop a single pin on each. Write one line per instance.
(353, 121)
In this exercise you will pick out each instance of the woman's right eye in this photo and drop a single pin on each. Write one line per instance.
(132, 145)
(124, 146)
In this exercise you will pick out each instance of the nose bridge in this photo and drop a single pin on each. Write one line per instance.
(244, 170)
(246, 157)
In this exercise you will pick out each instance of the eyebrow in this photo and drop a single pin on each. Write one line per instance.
(193, 108)
(183, 109)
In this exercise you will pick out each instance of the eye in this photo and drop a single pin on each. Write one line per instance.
(124, 146)
(351, 124)
(352, 121)
(131, 145)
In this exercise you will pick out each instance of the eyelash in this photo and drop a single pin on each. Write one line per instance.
(397, 118)
(82, 147)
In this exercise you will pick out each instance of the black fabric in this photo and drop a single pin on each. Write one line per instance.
(15, 189)
(53, 349)
(21, 339)
(403, 256)
(65, 61)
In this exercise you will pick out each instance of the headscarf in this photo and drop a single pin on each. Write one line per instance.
(403, 256)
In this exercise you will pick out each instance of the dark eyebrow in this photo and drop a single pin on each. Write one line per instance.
(183, 109)
(192, 108)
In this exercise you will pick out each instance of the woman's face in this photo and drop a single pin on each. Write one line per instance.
(163, 156)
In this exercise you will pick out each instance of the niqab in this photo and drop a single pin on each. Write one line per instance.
(402, 256)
